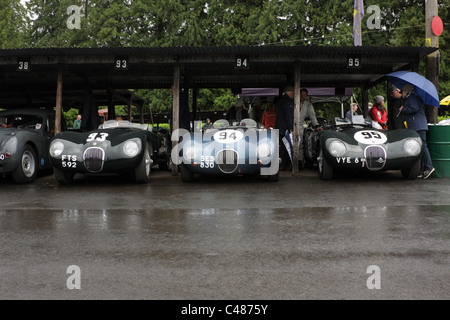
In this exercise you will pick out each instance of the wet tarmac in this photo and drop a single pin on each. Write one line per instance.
(241, 238)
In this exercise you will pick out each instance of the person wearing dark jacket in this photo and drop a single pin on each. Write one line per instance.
(395, 117)
(416, 120)
(285, 112)
(284, 122)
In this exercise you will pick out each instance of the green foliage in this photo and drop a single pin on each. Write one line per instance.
(163, 23)
(13, 23)
(70, 116)
(215, 99)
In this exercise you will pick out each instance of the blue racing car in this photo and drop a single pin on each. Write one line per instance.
(225, 150)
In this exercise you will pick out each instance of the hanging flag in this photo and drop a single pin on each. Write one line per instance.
(287, 140)
(358, 14)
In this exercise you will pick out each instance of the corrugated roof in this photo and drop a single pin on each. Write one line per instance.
(202, 67)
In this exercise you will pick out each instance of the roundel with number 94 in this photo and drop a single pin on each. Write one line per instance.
(370, 137)
(228, 136)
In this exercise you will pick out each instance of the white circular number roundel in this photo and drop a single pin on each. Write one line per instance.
(370, 137)
(228, 136)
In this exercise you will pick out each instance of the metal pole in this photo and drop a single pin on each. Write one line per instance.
(431, 40)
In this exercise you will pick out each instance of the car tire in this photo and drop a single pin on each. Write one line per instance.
(325, 170)
(142, 171)
(273, 177)
(165, 163)
(412, 172)
(26, 171)
(63, 177)
(308, 164)
(186, 175)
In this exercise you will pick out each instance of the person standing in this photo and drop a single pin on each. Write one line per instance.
(350, 113)
(237, 112)
(306, 110)
(284, 122)
(416, 120)
(77, 123)
(378, 112)
(269, 117)
(256, 112)
(395, 118)
(208, 125)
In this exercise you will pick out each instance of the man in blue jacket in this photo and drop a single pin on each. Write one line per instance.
(416, 120)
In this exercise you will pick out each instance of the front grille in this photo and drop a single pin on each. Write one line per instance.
(93, 159)
(375, 157)
(227, 160)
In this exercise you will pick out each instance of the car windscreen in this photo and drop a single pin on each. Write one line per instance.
(21, 121)
(111, 124)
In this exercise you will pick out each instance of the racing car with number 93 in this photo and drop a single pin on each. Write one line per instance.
(115, 147)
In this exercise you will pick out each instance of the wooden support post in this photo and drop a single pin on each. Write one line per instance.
(365, 102)
(194, 105)
(58, 112)
(141, 114)
(151, 117)
(111, 107)
(175, 111)
(295, 134)
(130, 109)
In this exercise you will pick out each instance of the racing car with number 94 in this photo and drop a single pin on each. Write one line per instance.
(229, 150)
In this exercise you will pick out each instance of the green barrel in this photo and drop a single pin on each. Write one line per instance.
(439, 146)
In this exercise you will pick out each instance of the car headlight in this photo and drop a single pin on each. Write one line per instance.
(337, 148)
(9, 145)
(190, 153)
(56, 148)
(412, 147)
(131, 148)
(263, 150)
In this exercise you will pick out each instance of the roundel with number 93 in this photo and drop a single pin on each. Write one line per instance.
(370, 137)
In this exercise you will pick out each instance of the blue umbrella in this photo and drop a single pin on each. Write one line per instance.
(424, 88)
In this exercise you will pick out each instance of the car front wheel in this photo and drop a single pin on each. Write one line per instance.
(63, 177)
(142, 171)
(325, 170)
(27, 170)
(186, 175)
(412, 172)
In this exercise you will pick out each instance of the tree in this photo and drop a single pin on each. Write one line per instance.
(13, 23)
(163, 23)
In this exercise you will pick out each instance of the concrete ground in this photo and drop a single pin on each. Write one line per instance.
(368, 237)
